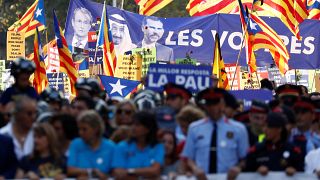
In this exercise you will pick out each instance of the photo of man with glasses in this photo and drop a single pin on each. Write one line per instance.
(81, 23)
(152, 29)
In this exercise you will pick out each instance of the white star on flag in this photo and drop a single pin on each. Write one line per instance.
(117, 87)
(39, 12)
(253, 25)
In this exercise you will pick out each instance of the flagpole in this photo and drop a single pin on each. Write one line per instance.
(258, 79)
(237, 62)
(314, 78)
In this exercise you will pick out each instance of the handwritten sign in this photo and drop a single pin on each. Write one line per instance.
(129, 67)
(186, 61)
(15, 45)
(148, 57)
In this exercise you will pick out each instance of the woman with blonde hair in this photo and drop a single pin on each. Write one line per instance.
(90, 155)
(46, 160)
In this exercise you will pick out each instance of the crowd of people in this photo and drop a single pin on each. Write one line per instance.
(152, 134)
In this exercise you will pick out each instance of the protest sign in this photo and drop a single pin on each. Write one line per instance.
(148, 56)
(56, 81)
(190, 61)
(2, 71)
(95, 54)
(15, 45)
(53, 62)
(129, 67)
(193, 78)
(248, 95)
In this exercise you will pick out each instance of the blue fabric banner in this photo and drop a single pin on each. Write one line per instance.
(247, 96)
(193, 78)
(174, 37)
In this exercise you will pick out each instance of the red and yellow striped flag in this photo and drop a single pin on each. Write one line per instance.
(149, 7)
(314, 9)
(66, 62)
(105, 40)
(290, 12)
(27, 23)
(205, 7)
(40, 81)
(218, 66)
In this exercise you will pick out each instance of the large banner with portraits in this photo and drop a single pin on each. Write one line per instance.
(173, 38)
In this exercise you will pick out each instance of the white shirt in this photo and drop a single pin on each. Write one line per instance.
(28, 143)
(144, 45)
(312, 161)
(82, 42)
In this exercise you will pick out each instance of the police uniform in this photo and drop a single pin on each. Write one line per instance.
(231, 142)
(303, 139)
(275, 156)
(256, 107)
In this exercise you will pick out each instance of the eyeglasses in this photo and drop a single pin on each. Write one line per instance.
(124, 112)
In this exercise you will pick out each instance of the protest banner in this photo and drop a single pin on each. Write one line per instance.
(233, 71)
(52, 63)
(196, 34)
(129, 67)
(248, 95)
(193, 78)
(15, 45)
(56, 81)
(148, 56)
(95, 54)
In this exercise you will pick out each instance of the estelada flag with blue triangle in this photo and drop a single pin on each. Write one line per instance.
(118, 86)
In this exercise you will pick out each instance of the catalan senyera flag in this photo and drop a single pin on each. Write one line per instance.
(40, 81)
(250, 57)
(34, 17)
(149, 7)
(105, 40)
(66, 62)
(314, 9)
(263, 36)
(218, 66)
(202, 7)
(290, 12)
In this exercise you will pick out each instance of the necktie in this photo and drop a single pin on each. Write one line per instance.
(78, 43)
(213, 150)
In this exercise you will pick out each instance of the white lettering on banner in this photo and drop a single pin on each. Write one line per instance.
(161, 81)
(307, 43)
(168, 41)
(196, 35)
(194, 38)
(182, 36)
(231, 40)
(295, 45)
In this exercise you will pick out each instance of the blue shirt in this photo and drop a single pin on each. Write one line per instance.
(127, 155)
(81, 155)
(232, 143)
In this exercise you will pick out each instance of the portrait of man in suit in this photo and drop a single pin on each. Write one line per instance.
(153, 30)
(81, 23)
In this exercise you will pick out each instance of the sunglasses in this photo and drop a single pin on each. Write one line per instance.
(124, 112)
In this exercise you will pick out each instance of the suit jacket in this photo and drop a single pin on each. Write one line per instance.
(69, 41)
(164, 53)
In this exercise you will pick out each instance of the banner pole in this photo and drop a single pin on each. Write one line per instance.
(237, 62)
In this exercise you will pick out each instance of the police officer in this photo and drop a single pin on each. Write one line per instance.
(21, 69)
(274, 153)
(302, 135)
(215, 144)
(257, 120)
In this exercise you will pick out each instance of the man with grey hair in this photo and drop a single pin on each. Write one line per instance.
(81, 23)
(153, 30)
(20, 127)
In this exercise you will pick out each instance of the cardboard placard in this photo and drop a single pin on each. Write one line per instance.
(148, 56)
(129, 67)
(15, 45)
